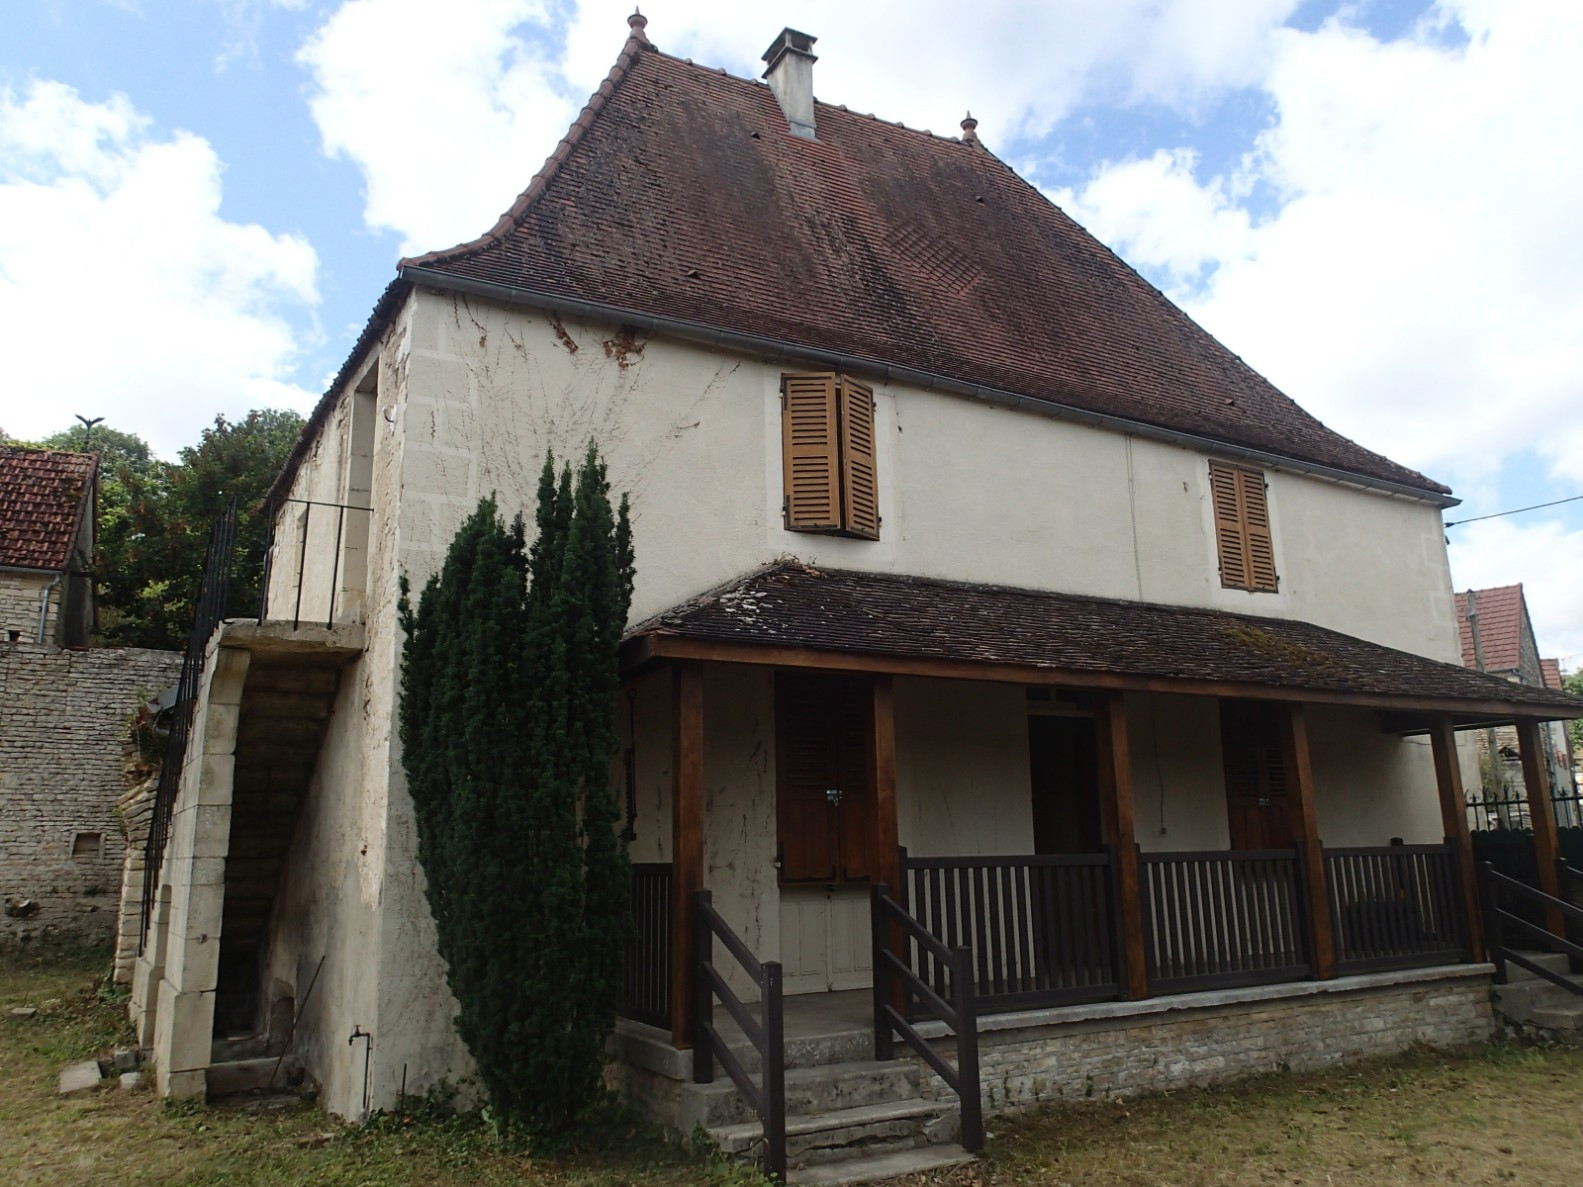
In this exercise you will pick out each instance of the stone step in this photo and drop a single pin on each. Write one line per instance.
(877, 1167)
(1555, 962)
(237, 1076)
(809, 1090)
(237, 1048)
(843, 1134)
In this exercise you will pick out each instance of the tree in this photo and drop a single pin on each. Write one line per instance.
(507, 725)
(1573, 683)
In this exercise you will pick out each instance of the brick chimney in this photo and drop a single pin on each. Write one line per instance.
(790, 74)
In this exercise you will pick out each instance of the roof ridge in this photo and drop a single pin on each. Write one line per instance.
(636, 42)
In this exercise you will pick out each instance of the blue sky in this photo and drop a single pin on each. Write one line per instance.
(1371, 201)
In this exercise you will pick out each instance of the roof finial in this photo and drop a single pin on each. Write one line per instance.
(970, 130)
(637, 22)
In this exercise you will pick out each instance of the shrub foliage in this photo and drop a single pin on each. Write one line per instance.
(507, 724)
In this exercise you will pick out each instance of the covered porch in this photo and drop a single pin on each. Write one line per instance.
(1093, 801)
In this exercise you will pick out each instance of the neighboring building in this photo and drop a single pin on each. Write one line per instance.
(1497, 637)
(48, 521)
(952, 533)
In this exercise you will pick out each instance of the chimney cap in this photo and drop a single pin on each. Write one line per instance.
(789, 41)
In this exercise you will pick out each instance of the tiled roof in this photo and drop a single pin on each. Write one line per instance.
(792, 605)
(1501, 613)
(1550, 669)
(680, 194)
(41, 505)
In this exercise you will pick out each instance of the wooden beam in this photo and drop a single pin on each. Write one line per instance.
(1541, 817)
(650, 648)
(687, 836)
(1454, 820)
(887, 838)
(1300, 773)
(1115, 784)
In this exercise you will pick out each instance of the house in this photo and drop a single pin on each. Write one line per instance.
(1497, 636)
(955, 537)
(48, 503)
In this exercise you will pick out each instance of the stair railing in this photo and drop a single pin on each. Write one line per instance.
(1496, 890)
(895, 981)
(768, 1097)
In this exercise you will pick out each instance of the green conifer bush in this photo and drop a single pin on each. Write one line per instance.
(507, 722)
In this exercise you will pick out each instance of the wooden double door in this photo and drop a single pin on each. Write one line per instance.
(824, 808)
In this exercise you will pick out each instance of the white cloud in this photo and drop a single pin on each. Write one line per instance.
(1542, 556)
(448, 111)
(1421, 286)
(123, 291)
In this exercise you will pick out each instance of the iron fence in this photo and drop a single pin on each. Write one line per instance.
(326, 545)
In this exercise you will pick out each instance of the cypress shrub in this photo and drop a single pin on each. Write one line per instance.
(507, 723)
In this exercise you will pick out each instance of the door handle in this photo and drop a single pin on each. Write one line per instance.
(834, 795)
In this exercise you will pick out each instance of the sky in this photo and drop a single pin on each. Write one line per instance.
(1374, 202)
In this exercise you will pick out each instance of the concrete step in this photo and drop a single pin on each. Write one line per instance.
(1555, 962)
(809, 1090)
(237, 1076)
(877, 1167)
(841, 1135)
(240, 1047)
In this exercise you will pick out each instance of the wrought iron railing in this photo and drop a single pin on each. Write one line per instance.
(648, 963)
(1041, 927)
(1219, 919)
(1396, 906)
(327, 546)
(214, 592)
(1506, 809)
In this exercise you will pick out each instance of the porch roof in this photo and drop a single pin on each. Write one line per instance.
(794, 615)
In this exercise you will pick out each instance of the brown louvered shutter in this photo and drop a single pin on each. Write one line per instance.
(1256, 528)
(1229, 536)
(810, 440)
(1258, 803)
(859, 486)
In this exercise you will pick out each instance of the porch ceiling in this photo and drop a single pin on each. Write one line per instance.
(793, 615)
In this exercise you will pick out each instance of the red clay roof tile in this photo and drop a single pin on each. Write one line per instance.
(41, 505)
(680, 193)
(1500, 612)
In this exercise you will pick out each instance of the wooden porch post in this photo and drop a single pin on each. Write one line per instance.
(1542, 816)
(1115, 782)
(886, 836)
(687, 836)
(1300, 770)
(1454, 820)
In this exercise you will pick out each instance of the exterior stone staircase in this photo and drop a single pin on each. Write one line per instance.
(1530, 1001)
(849, 1119)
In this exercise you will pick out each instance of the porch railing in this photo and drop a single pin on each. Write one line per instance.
(940, 979)
(647, 996)
(1512, 939)
(214, 594)
(1041, 928)
(1396, 906)
(1219, 919)
(768, 1096)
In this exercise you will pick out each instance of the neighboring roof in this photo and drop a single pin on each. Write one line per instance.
(1550, 669)
(41, 505)
(792, 606)
(1501, 614)
(679, 194)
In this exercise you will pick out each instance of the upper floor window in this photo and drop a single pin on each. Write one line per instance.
(1242, 528)
(827, 439)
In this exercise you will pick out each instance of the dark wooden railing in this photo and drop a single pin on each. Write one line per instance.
(768, 1096)
(1041, 928)
(1396, 906)
(1503, 927)
(214, 595)
(1219, 919)
(647, 988)
(943, 988)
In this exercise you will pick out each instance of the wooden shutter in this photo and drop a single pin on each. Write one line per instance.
(859, 485)
(1243, 541)
(806, 820)
(810, 439)
(1258, 793)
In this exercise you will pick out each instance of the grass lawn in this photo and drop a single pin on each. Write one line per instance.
(1492, 1115)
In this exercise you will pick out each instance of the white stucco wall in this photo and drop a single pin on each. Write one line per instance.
(1371, 786)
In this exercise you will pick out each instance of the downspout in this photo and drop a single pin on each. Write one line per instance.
(43, 606)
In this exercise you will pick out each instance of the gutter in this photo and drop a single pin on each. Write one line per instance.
(756, 344)
(43, 604)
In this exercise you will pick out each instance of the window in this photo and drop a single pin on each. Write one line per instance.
(1242, 528)
(87, 844)
(827, 435)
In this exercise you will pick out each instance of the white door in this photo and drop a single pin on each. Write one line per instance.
(825, 940)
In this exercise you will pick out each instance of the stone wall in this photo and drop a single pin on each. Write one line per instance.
(20, 598)
(62, 723)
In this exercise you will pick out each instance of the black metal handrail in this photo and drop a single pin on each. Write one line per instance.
(895, 984)
(1499, 922)
(214, 593)
(768, 1097)
(274, 511)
